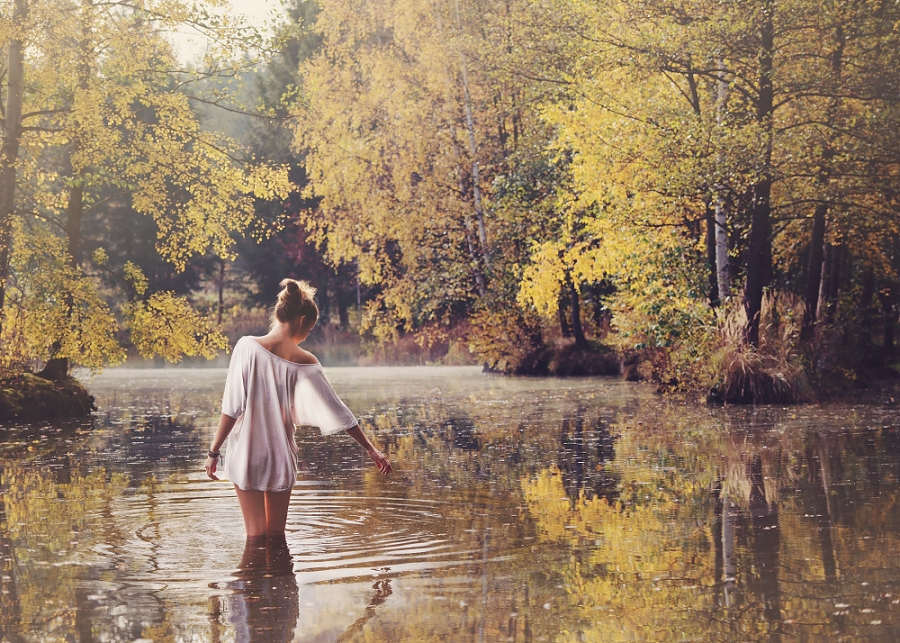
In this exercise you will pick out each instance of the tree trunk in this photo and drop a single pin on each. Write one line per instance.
(74, 216)
(564, 327)
(577, 328)
(887, 309)
(58, 367)
(711, 256)
(343, 317)
(757, 256)
(477, 262)
(473, 255)
(9, 149)
(817, 258)
(723, 270)
(823, 280)
(358, 295)
(759, 252)
(814, 273)
(869, 312)
(833, 283)
(220, 287)
(473, 153)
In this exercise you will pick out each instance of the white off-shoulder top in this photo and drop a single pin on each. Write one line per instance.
(269, 396)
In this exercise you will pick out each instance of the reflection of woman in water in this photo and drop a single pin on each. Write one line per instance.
(264, 604)
(273, 385)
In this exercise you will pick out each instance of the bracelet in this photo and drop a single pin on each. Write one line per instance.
(213, 455)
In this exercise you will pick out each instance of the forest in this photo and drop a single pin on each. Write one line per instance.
(696, 193)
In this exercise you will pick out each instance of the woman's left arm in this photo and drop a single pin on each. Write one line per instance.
(383, 464)
(226, 423)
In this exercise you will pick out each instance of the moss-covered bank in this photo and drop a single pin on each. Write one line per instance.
(28, 398)
(564, 360)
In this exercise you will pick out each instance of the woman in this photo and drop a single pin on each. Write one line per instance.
(273, 385)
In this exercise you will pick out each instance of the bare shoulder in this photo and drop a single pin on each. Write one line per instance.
(285, 350)
(303, 356)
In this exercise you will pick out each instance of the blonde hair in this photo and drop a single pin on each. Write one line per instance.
(295, 300)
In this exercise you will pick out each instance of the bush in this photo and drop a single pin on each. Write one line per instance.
(775, 372)
(507, 340)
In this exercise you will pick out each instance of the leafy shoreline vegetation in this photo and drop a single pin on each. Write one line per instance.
(703, 192)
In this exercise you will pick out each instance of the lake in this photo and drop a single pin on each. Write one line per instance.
(520, 509)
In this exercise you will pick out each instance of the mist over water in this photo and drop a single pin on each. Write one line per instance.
(519, 510)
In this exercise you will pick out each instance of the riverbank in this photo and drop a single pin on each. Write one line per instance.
(26, 397)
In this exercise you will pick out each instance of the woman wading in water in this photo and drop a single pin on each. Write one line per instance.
(273, 385)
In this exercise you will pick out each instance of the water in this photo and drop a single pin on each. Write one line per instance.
(519, 510)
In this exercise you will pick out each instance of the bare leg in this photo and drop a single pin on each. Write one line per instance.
(277, 503)
(253, 508)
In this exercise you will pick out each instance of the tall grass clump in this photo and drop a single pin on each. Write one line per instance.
(712, 359)
(775, 371)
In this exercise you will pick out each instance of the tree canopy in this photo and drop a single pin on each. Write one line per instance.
(686, 183)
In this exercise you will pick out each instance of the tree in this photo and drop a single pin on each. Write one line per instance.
(111, 118)
(409, 115)
(766, 112)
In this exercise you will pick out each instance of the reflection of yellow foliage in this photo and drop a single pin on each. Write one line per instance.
(45, 520)
(629, 557)
(161, 632)
(547, 501)
(625, 540)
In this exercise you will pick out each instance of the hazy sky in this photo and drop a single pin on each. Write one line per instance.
(258, 12)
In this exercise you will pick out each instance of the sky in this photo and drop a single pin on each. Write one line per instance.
(259, 13)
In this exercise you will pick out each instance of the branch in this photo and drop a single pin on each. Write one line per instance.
(215, 103)
(106, 200)
(46, 112)
(36, 128)
(45, 217)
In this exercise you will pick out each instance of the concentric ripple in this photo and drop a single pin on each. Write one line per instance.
(338, 534)
(183, 532)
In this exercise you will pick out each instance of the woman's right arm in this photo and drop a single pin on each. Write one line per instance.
(226, 423)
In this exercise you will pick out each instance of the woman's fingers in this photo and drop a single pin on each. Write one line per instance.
(383, 464)
(211, 468)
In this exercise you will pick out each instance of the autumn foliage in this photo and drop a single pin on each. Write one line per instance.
(649, 177)
(618, 166)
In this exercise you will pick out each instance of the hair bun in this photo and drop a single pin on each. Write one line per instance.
(295, 300)
(296, 289)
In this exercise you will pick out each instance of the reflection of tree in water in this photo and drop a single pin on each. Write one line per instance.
(264, 603)
(460, 432)
(836, 482)
(47, 507)
(583, 456)
(382, 591)
(766, 544)
(145, 440)
(57, 489)
(746, 519)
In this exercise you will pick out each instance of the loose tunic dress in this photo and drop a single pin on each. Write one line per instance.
(269, 395)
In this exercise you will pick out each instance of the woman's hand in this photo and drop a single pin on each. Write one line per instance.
(211, 464)
(383, 464)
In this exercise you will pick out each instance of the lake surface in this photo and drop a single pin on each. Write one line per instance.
(520, 510)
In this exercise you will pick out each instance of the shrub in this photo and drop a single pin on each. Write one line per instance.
(507, 340)
(775, 372)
